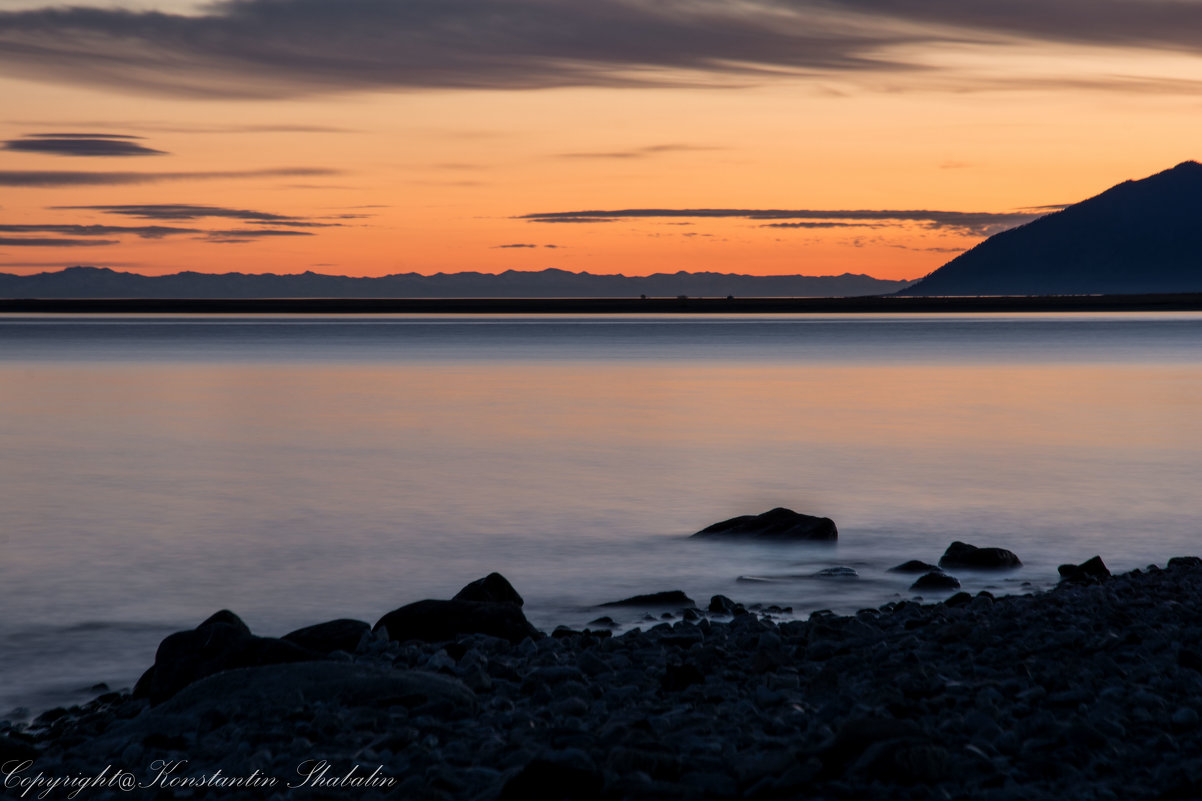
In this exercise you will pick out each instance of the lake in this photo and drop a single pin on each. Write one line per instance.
(297, 469)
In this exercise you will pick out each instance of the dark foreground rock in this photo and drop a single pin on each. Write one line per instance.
(963, 555)
(493, 588)
(777, 524)
(1084, 692)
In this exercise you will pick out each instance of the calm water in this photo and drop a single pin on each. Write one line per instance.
(299, 469)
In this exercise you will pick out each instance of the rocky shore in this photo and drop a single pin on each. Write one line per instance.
(1092, 690)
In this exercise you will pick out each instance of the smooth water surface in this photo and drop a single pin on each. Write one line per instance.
(297, 469)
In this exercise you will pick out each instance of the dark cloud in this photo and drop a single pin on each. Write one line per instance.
(971, 222)
(143, 231)
(278, 48)
(185, 211)
(274, 48)
(496, 247)
(76, 144)
(49, 242)
(49, 178)
(637, 153)
(253, 233)
(821, 225)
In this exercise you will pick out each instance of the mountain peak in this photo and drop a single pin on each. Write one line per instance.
(1140, 236)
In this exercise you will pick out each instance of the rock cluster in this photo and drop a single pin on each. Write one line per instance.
(1088, 691)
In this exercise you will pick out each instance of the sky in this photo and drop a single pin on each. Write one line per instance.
(372, 137)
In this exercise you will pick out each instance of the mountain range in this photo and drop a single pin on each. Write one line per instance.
(101, 282)
(1138, 237)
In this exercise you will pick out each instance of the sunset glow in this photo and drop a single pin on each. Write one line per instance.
(368, 138)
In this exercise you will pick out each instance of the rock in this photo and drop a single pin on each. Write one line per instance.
(343, 634)
(936, 580)
(223, 642)
(438, 621)
(721, 605)
(777, 524)
(1090, 571)
(913, 566)
(837, 573)
(666, 598)
(963, 555)
(493, 588)
(1185, 561)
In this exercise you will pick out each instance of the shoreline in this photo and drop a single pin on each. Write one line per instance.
(1087, 690)
(878, 304)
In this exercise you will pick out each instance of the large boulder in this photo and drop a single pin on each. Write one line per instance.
(777, 524)
(913, 566)
(223, 642)
(963, 555)
(440, 621)
(493, 588)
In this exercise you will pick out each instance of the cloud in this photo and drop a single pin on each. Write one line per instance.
(49, 242)
(291, 48)
(185, 211)
(279, 48)
(522, 245)
(252, 233)
(76, 144)
(48, 178)
(143, 231)
(969, 222)
(637, 153)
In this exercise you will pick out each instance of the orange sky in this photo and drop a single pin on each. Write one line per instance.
(340, 142)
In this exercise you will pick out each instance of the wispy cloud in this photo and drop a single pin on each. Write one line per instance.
(81, 144)
(277, 48)
(637, 153)
(971, 222)
(53, 242)
(52, 178)
(184, 211)
(523, 245)
(143, 231)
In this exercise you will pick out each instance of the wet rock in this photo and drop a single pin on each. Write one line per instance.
(936, 580)
(666, 598)
(493, 588)
(439, 621)
(1185, 561)
(963, 555)
(777, 524)
(913, 566)
(343, 634)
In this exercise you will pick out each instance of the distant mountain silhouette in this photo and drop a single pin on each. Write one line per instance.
(1137, 237)
(101, 282)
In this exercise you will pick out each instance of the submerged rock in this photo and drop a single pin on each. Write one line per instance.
(963, 555)
(439, 621)
(777, 524)
(913, 566)
(839, 572)
(666, 598)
